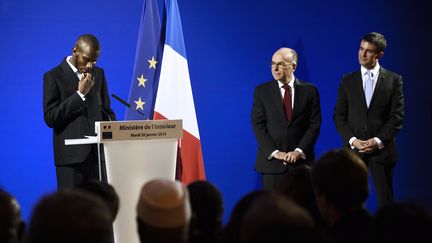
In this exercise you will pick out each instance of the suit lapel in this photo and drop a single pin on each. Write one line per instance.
(276, 97)
(358, 87)
(298, 93)
(71, 77)
(380, 84)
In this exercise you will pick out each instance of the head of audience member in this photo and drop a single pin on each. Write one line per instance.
(231, 231)
(85, 53)
(163, 212)
(104, 191)
(70, 216)
(371, 49)
(340, 180)
(299, 188)
(11, 224)
(283, 64)
(402, 222)
(273, 217)
(207, 209)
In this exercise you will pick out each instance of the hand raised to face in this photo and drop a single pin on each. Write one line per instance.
(85, 84)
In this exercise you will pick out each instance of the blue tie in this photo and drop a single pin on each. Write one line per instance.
(368, 87)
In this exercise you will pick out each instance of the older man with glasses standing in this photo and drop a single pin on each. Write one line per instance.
(286, 118)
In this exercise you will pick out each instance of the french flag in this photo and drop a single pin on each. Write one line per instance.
(161, 86)
(174, 99)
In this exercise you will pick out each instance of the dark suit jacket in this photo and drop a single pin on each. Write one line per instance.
(383, 119)
(272, 130)
(70, 116)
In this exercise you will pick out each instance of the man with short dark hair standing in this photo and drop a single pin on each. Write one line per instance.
(286, 118)
(75, 96)
(369, 113)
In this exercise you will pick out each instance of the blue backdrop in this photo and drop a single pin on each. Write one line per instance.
(229, 45)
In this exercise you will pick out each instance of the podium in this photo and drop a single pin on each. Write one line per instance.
(135, 152)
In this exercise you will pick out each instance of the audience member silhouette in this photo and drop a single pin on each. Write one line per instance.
(207, 209)
(70, 216)
(273, 217)
(163, 212)
(104, 191)
(11, 224)
(402, 222)
(231, 231)
(340, 180)
(299, 188)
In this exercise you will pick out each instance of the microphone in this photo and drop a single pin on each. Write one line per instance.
(101, 107)
(126, 104)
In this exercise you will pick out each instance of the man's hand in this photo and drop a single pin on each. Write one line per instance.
(286, 158)
(359, 144)
(85, 84)
(367, 146)
(370, 146)
(292, 157)
(280, 156)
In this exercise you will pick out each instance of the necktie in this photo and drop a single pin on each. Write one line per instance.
(287, 102)
(368, 87)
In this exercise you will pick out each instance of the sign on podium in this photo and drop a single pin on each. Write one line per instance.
(135, 152)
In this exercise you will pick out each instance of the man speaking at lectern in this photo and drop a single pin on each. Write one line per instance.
(75, 96)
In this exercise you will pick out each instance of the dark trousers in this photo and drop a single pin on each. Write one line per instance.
(382, 176)
(276, 182)
(71, 175)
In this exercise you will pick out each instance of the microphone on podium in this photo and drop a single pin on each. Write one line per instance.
(101, 107)
(126, 104)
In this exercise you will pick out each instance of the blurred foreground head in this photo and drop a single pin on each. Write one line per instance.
(207, 209)
(340, 181)
(402, 222)
(70, 217)
(342, 178)
(104, 191)
(273, 217)
(163, 212)
(11, 224)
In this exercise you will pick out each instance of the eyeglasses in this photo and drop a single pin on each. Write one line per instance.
(282, 65)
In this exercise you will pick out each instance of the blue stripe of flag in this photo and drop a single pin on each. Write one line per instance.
(174, 30)
(150, 44)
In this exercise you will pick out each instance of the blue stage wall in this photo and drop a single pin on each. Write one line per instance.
(229, 45)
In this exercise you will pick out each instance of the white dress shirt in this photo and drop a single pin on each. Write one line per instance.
(282, 90)
(374, 75)
(78, 74)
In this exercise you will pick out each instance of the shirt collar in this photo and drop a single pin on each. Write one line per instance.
(74, 69)
(374, 70)
(290, 83)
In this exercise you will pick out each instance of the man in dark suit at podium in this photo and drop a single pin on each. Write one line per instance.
(75, 96)
(369, 113)
(286, 118)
